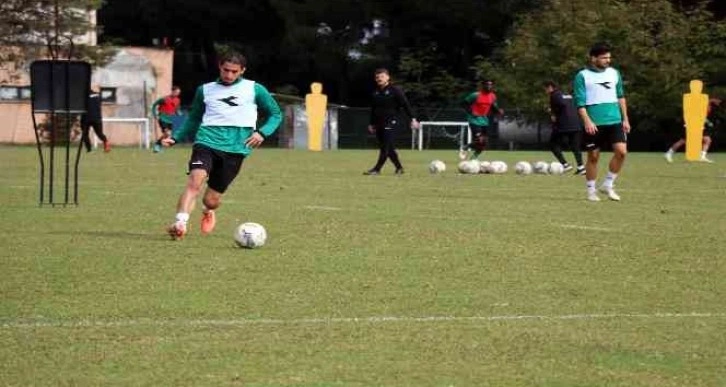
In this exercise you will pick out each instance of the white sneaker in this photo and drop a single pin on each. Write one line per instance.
(592, 196)
(567, 167)
(463, 155)
(705, 160)
(611, 193)
(668, 156)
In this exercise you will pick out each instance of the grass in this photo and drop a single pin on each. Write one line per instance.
(418, 280)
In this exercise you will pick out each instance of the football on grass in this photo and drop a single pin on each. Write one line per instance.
(250, 235)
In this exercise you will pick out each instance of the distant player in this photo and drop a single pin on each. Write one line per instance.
(93, 118)
(566, 126)
(387, 104)
(600, 101)
(479, 106)
(223, 121)
(708, 132)
(163, 109)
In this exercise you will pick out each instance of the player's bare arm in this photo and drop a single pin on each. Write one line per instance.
(590, 127)
(624, 111)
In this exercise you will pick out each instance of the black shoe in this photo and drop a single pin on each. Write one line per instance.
(580, 171)
(372, 172)
(399, 171)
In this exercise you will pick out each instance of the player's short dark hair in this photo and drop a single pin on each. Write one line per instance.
(486, 80)
(233, 57)
(600, 48)
(550, 83)
(381, 70)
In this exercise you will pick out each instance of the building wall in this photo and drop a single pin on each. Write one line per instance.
(139, 74)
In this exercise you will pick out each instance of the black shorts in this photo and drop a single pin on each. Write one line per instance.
(479, 130)
(165, 125)
(606, 136)
(222, 167)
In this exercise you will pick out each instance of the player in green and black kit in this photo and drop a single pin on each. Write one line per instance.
(601, 104)
(163, 109)
(223, 122)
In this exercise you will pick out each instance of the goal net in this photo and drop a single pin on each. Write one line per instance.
(456, 133)
(125, 131)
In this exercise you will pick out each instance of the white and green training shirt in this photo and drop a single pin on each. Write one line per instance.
(598, 92)
(223, 117)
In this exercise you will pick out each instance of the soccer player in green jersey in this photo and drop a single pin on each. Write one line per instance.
(601, 104)
(223, 119)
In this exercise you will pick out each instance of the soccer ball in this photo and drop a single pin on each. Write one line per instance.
(250, 235)
(469, 167)
(541, 167)
(484, 166)
(556, 168)
(523, 168)
(498, 167)
(437, 166)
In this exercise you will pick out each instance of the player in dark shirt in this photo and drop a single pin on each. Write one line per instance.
(566, 126)
(387, 103)
(93, 118)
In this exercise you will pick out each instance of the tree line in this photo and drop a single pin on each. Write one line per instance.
(435, 50)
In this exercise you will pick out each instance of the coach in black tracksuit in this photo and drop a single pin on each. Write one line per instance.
(566, 126)
(388, 101)
(93, 118)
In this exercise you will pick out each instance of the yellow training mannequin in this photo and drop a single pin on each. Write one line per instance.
(316, 106)
(695, 109)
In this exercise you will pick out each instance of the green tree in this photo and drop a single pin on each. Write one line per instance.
(33, 28)
(657, 47)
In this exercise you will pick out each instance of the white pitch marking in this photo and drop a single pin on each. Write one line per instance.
(590, 228)
(20, 324)
(323, 208)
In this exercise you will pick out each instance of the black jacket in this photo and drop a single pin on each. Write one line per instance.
(94, 108)
(565, 113)
(386, 105)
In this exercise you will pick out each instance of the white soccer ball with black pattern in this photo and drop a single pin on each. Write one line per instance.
(250, 235)
(542, 167)
(556, 168)
(469, 167)
(484, 166)
(498, 167)
(437, 166)
(523, 168)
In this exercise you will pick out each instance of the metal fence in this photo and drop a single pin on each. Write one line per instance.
(510, 132)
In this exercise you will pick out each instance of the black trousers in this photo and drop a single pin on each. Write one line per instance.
(386, 148)
(573, 139)
(85, 132)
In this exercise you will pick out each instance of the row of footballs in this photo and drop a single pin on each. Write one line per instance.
(499, 167)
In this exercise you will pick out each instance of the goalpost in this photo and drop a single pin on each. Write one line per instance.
(461, 132)
(143, 125)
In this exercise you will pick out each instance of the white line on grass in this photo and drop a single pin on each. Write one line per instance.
(323, 208)
(589, 228)
(30, 324)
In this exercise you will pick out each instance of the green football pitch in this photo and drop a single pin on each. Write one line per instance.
(413, 280)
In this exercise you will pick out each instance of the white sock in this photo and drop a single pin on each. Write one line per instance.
(703, 154)
(609, 180)
(670, 151)
(182, 217)
(590, 186)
